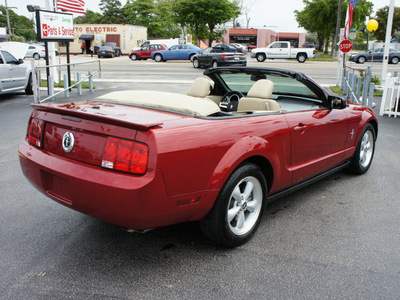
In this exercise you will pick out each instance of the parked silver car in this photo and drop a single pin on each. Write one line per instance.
(37, 52)
(14, 74)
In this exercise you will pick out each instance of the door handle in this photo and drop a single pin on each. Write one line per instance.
(300, 128)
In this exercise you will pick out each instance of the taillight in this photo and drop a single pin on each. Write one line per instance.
(35, 133)
(124, 155)
(224, 56)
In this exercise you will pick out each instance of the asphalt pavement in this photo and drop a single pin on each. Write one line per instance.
(336, 239)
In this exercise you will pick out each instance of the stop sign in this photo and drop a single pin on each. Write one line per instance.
(345, 46)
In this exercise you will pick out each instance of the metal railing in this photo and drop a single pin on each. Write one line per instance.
(352, 84)
(36, 79)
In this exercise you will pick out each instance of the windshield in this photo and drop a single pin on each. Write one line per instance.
(242, 82)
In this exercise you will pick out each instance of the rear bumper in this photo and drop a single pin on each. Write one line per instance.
(232, 63)
(138, 202)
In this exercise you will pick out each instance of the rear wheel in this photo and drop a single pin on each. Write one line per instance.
(301, 58)
(196, 63)
(260, 57)
(238, 209)
(365, 150)
(36, 56)
(158, 58)
(394, 60)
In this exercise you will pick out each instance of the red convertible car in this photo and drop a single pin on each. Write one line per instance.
(240, 138)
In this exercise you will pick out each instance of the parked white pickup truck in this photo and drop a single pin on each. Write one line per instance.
(283, 50)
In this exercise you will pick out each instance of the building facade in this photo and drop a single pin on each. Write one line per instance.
(94, 35)
(262, 37)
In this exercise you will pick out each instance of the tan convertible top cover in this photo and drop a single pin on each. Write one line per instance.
(164, 100)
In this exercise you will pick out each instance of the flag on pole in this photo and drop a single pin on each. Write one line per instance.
(349, 18)
(74, 6)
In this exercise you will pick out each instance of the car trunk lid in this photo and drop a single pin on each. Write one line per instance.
(87, 126)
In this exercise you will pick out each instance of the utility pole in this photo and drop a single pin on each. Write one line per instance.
(334, 43)
(8, 20)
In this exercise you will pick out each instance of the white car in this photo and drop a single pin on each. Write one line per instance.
(37, 52)
(14, 74)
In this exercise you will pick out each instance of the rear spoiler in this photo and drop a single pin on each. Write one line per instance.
(77, 111)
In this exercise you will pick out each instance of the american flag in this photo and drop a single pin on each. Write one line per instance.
(74, 6)
(349, 18)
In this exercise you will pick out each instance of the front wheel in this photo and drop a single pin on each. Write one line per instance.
(301, 58)
(238, 209)
(191, 57)
(365, 150)
(158, 58)
(29, 87)
(260, 57)
(361, 60)
(134, 57)
(215, 64)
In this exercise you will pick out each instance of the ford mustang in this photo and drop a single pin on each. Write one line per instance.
(240, 138)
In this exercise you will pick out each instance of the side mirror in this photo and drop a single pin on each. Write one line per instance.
(335, 102)
(20, 61)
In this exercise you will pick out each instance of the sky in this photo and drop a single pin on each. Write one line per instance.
(276, 15)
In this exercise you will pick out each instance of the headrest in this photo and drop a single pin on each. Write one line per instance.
(262, 88)
(200, 87)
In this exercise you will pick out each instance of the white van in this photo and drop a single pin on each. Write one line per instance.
(167, 42)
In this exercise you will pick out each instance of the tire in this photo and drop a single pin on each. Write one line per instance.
(133, 57)
(191, 57)
(234, 218)
(36, 56)
(394, 60)
(29, 87)
(260, 57)
(361, 60)
(301, 58)
(365, 150)
(196, 63)
(215, 64)
(158, 58)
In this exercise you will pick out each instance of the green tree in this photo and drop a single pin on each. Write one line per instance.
(90, 18)
(204, 16)
(155, 15)
(382, 17)
(112, 12)
(320, 16)
(21, 27)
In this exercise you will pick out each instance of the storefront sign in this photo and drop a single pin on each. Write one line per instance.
(54, 26)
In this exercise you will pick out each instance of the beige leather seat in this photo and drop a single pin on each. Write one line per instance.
(258, 98)
(200, 87)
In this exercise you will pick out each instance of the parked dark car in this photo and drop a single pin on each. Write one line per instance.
(117, 50)
(308, 45)
(215, 56)
(226, 48)
(376, 55)
(145, 51)
(106, 51)
(239, 47)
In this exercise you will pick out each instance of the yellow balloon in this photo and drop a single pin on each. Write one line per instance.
(372, 25)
